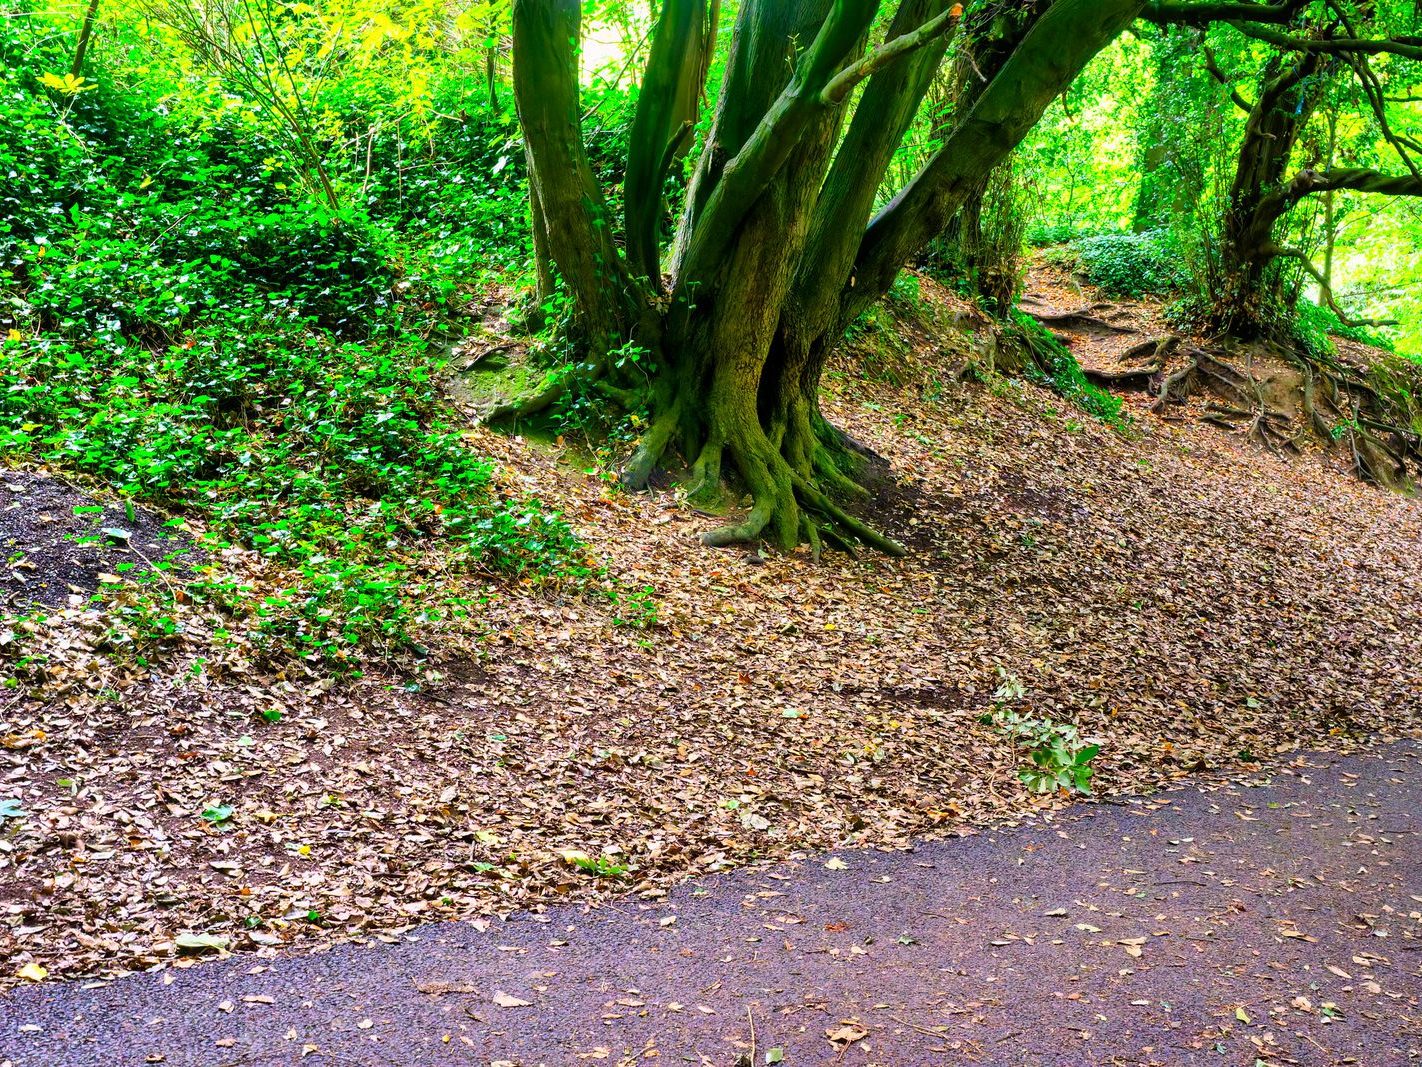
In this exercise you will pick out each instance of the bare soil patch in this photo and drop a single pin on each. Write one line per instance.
(58, 540)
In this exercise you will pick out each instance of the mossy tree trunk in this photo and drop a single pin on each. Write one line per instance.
(779, 246)
(1248, 290)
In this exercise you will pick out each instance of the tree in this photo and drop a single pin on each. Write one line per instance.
(984, 251)
(1308, 58)
(1318, 45)
(779, 246)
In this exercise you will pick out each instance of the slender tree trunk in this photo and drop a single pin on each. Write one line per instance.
(565, 192)
(86, 34)
(1330, 216)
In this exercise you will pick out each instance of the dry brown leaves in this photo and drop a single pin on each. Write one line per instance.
(1186, 598)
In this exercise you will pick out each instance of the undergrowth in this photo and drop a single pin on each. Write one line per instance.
(1054, 366)
(1126, 264)
(184, 326)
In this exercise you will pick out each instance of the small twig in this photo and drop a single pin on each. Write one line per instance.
(938, 1034)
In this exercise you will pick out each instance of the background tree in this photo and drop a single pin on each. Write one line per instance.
(982, 243)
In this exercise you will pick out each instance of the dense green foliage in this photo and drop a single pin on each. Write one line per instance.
(187, 325)
(1130, 264)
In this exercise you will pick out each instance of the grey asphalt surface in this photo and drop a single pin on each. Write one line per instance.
(1275, 921)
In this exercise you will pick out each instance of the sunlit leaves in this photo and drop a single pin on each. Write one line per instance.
(66, 84)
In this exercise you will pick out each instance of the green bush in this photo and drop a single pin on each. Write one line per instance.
(1316, 325)
(1045, 235)
(1130, 264)
(180, 322)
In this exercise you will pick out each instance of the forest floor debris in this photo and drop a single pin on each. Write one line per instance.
(1329, 392)
(1268, 921)
(1189, 600)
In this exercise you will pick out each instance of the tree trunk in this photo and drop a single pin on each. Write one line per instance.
(86, 34)
(575, 231)
(1330, 215)
(1248, 295)
(775, 252)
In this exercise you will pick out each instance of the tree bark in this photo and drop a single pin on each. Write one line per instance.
(575, 233)
(771, 258)
(1247, 294)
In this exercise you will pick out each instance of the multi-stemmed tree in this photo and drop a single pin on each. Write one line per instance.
(780, 245)
(784, 239)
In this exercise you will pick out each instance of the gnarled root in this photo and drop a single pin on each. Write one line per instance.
(793, 475)
(1375, 425)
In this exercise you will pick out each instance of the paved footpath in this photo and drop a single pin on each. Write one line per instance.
(1269, 923)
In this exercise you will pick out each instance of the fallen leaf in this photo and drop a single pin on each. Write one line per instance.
(201, 943)
(846, 1034)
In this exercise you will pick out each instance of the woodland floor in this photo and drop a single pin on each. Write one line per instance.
(1191, 600)
(1268, 922)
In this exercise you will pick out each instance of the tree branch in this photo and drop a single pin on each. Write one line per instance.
(1408, 48)
(1358, 179)
(1178, 12)
(1324, 287)
(844, 82)
(884, 113)
(1212, 66)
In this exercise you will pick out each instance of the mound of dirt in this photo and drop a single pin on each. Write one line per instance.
(60, 542)
(1356, 403)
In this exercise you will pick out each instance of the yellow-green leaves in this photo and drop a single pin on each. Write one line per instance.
(67, 84)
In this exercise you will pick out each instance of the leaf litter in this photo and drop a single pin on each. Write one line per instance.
(1185, 599)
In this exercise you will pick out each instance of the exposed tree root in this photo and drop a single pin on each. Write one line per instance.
(1182, 382)
(1334, 402)
(793, 475)
(1157, 349)
(1083, 316)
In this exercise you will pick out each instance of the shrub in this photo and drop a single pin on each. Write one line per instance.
(1053, 365)
(1130, 264)
(181, 322)
(1058, 757)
